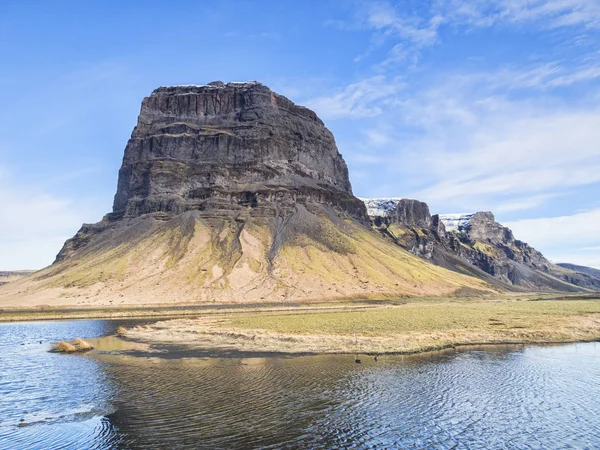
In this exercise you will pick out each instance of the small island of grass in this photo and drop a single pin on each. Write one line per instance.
(394, 327)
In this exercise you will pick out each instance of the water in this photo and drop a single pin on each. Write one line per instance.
(501, 397)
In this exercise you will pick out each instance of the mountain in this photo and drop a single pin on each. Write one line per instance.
(473, 244)
(14, 275)
(229, 192)
(581, 269)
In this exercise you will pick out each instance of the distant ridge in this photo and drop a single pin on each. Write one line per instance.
(583, 269)
(474, 243)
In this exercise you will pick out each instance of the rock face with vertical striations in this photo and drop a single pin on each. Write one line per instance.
(222, 147)
(229, 192)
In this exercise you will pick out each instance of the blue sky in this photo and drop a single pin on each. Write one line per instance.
(467, 105)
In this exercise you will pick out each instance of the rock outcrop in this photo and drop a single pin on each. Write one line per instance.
(473, 243)
(229, 192)
(402, 210)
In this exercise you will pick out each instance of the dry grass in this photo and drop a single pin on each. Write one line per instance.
(75, 346)
(63, 347)
(422, 316)
(121, 331)
(82, 346)
(409, 328)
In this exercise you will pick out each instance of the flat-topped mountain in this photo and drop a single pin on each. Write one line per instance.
(220, 147)
(229, 192)
(473, 243)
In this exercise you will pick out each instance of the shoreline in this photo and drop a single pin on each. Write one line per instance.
(174, 351)
(392, 327)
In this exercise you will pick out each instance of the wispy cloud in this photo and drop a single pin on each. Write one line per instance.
(549, 13)
(474, 144)
(35, 224)
(524, 203)
(591, 249)
(409, 30)
(366, 98)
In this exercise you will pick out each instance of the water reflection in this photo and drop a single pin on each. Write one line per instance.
(527, 397)
(51, 400)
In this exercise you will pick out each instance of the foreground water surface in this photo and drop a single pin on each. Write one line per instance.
(510, 397)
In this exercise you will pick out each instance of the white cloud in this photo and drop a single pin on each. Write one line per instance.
(35, 224)
(365, 98)
(474, 146)
(564, 238)
(523, 203)
(410, 32)
(591, 249)
(418, 30)
(574, 231)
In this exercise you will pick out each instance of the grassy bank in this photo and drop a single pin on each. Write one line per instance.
(412, 326)
(160, 312)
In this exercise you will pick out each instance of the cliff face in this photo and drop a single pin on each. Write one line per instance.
(402, 210)
(221, 147)
(474, 244)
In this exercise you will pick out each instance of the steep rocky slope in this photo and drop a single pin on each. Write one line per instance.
(231, 193)
(472, 243)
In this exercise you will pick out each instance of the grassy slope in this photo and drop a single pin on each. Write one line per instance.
(194, 259)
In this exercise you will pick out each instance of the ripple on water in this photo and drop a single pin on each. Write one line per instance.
(511, 397)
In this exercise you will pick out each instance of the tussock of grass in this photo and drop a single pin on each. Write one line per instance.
(75, 346)
(63, 347)
(82, 346)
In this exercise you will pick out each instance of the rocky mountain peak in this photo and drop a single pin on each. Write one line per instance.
(222, 146)
(481, 226)
(400, 210)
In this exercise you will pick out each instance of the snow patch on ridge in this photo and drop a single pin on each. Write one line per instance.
(456, 222)
(380, 207)
(213, 84)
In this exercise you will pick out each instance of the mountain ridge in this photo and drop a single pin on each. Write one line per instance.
(476, 239)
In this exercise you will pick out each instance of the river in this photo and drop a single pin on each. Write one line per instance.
(516, 397)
